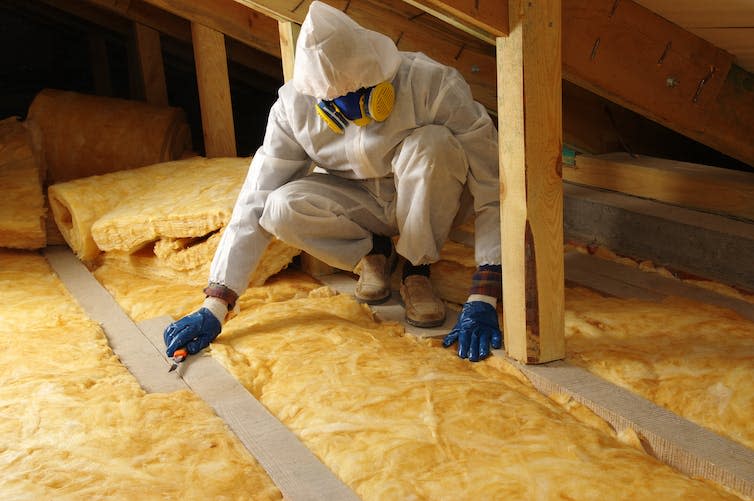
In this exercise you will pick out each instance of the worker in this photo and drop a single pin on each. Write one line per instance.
(400, 143)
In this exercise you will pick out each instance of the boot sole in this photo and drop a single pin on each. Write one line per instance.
(373, 301)
(426, 325)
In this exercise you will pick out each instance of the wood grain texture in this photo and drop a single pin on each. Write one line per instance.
(149, 51)
(679, 183)
(529, 83)
(288, 36)
(704, 13)
(214, 91)
(485, 19)
(634, 57)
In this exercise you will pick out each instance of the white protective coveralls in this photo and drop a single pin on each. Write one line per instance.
(402, 176)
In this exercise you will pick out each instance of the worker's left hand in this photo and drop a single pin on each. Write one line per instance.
(476, 329)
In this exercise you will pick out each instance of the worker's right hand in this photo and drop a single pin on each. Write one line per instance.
(194, 332)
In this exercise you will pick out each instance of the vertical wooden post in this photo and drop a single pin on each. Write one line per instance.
(288, 36)
(214, 91)
(530, 114)
(149, 52)
(100, 64)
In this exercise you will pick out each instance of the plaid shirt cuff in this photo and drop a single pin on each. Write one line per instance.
(221, 292)
(487, 282)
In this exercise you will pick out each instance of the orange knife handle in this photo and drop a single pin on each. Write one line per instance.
(180, 354)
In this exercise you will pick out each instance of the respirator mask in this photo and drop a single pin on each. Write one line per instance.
(360, 107)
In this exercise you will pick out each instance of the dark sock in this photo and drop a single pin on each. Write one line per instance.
(410, 269)
(381, 245)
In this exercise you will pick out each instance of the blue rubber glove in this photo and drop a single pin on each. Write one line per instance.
(194, 331)
(477, 327)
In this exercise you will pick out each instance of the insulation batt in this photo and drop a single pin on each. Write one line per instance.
(77, 425)
(22, 210)
(400, 418)
(124, 210)
(164, 219)
(694, 359)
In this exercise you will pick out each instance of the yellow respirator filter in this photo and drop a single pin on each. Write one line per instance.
(360, 107)
(380, 101)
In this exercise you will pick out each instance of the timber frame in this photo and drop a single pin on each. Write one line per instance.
(515, 55)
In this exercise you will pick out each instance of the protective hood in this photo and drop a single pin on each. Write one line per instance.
(335, 56)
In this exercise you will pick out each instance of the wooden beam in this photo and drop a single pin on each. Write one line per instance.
(679, 183)
(100, 65)
(230, 18)
(252, 52)
(633, 57)
(288, 36)
(529, 82)
(214, 92)
(484, 19)
(149, 52)
(411, 30)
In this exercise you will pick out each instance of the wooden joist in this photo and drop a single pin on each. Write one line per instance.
(214, 92)
(485, 19)
(410, 29)
(529, 84)
(288, 36)
(151, 66)
(100, 64)
(679, 183)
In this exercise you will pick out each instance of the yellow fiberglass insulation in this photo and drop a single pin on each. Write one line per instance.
(691, 358)
(76, 424)
(399, 418)
(22, 210)
(695, 359)
(164, 219)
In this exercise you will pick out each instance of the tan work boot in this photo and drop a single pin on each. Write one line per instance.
(423, 307)
(374, 272)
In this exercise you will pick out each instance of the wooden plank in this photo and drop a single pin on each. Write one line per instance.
(230, 18)
(483, 19)
(529, 80)
(690, 448)
(214, 92)
(411, 31)
(100, 65)
(737, 41)
(679, 183)
(149, 51)
(113, 15)
(704, 13)
(634, 57)
(288, 36)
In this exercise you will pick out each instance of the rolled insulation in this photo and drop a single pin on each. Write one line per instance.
(22, 207)
(84, 135)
